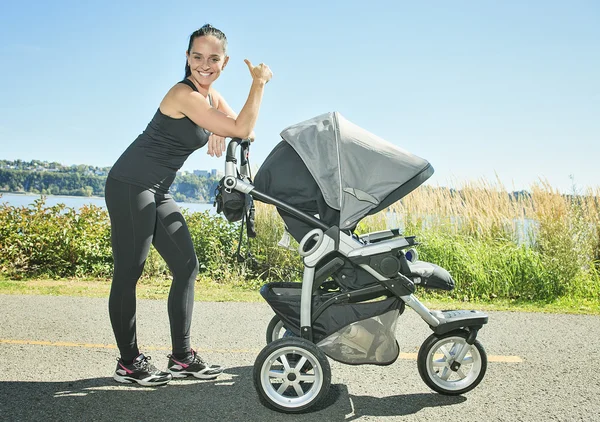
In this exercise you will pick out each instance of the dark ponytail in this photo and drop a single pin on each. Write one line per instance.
(205, 30)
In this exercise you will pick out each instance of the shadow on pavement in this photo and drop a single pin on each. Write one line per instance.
(232, 399)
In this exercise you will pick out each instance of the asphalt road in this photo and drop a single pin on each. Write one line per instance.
(57, 357)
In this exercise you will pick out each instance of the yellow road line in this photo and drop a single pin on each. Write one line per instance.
(404, 356)
(112, 346)
(58, 344)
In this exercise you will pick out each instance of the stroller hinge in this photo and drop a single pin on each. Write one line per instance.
(306, 333)
(400, 286)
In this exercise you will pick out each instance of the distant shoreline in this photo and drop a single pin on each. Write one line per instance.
(48, 194)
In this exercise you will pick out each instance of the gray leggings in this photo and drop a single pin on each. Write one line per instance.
(138, 218)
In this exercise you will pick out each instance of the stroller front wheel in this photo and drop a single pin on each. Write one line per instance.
(291, 375)
(438, 368)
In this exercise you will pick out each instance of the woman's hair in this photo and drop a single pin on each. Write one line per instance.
(205, 30)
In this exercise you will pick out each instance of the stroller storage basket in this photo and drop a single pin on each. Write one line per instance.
(284, 299)
(370, 341)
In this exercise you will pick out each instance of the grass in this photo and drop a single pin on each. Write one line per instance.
(205, 291)
(208, 291)
(562, 305)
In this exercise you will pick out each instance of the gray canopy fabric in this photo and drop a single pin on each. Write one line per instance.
(354, 169)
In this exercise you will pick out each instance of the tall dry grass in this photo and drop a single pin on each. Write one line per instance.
(538, 245)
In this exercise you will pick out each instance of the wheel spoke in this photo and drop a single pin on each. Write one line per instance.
(438, 363)
(446, 353)
(285, 362)
(461, 374)
(299, 390)
(307, 378)
(300, 363)
(275, 374)
(446, 374)
(455, 349)
(467, 360)
(460, 349)
(284, 386)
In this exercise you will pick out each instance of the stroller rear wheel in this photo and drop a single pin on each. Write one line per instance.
(276, 330)
(291, 375)
(440, 371)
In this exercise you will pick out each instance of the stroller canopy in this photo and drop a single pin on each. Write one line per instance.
(357, 172)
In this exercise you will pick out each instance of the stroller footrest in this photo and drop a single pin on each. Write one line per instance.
(455, 320)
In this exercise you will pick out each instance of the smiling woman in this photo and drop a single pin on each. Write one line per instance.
(142, 213)
(208, 60)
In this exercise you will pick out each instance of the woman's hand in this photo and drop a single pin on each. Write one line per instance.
(260, 73)
(216, 145)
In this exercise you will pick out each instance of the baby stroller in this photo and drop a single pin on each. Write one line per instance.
(324, 177)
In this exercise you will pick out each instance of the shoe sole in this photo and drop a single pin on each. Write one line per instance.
(184, 374)
(127, 380)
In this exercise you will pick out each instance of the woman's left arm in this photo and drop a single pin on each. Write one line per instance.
(216, 143)
(224, 107)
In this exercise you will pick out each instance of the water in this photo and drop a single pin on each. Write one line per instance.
(523, 228)
(18, 200)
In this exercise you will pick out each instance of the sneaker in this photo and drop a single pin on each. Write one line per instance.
(194, 366)
(142, 372)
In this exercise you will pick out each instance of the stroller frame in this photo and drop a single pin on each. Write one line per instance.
(381, 255)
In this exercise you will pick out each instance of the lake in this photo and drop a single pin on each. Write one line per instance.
(18, 200)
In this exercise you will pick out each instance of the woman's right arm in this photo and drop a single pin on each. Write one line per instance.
(194, 106)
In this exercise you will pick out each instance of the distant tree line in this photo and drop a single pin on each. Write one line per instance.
(82, 180)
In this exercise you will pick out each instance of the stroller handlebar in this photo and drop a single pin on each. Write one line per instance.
(231, 162)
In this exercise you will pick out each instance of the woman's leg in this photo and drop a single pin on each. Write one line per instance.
(173, 241)
(132, 213)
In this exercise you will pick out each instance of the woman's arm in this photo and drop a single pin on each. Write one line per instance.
(223, 106)
(194, 105)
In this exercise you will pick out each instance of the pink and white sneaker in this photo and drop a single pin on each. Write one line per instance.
(195, 366)
(141, 371)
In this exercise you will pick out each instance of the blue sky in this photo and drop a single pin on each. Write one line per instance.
(478, 88)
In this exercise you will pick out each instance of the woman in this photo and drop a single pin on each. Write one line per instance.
(191, 115)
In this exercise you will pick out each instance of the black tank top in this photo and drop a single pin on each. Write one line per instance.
(153, 159)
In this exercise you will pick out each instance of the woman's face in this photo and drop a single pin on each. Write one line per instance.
(206, 59)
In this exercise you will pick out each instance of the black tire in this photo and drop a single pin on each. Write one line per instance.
(303, 360)
(433, 371)
(274, 330)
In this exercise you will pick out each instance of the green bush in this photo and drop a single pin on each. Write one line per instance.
(488, 258)
(215, 243)
(57, 242)
(54, 241)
